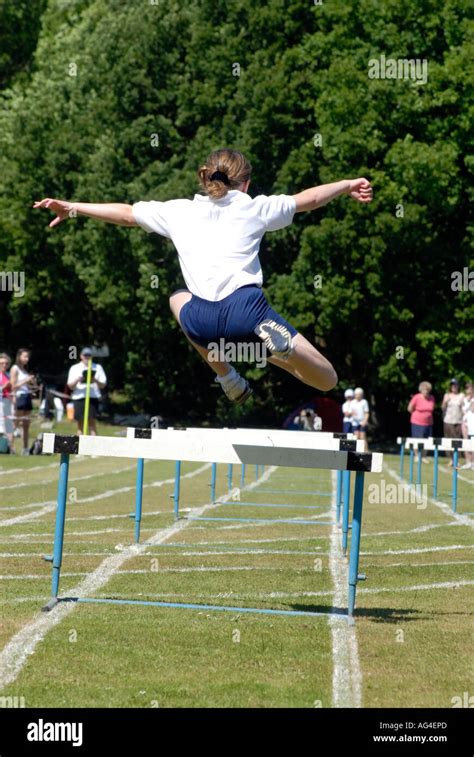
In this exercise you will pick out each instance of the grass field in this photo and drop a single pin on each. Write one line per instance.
(411, 645)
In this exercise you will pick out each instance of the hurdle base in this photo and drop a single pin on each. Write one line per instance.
(50, 605)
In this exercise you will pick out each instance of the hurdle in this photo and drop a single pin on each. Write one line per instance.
(435, 445)
(343, 478)
(230, 447)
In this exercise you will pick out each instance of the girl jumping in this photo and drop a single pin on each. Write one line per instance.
(217, 236)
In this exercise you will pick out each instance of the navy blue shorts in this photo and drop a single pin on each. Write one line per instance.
(233, 319)
(421, 432)
(359, 427)
(347, 427)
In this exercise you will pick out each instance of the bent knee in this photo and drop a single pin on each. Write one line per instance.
(329, 381)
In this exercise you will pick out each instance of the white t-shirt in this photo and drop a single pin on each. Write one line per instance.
(346, 408)
(470, 422)
(217, 240)
(359, 409)
(79, 392)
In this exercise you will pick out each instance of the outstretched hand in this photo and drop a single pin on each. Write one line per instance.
(60, 207)
(360, 190)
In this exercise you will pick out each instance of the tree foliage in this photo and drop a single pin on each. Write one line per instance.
(120, 101)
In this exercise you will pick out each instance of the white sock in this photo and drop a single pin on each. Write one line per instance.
(230, 376)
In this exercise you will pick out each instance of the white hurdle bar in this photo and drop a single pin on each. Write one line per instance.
(276, 448)
(434, 444)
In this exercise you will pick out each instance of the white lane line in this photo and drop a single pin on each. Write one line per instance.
(5, 472)
(347, 675)
(418, 564)
(17, 651)
(72, 479)
(419, 550)
(50, 506)
(417, 530)
(464, 519)
(449, 471)
(262, 595)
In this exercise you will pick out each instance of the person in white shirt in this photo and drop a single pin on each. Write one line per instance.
(470, 433)
(468, 422)
(217, 237)
(360, 415)
(347, 411)
(77, 383)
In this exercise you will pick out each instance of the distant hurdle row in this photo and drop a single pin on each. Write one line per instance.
(231, 446)
(435, 445)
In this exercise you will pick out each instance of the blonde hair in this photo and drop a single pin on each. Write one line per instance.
(4, 356)
(234, 168)
(425, 385)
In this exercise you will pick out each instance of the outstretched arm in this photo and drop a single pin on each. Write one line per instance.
(111, 212)
(316, 197)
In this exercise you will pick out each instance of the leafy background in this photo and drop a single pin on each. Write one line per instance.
(170, 69)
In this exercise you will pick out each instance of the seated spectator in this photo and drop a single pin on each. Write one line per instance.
(317, 422)
(305, 420)
(347, 412)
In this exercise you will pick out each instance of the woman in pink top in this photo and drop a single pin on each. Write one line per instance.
(421, 407)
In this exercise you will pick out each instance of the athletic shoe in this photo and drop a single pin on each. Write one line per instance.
(236, 388)
(466, 466)
(277, 338)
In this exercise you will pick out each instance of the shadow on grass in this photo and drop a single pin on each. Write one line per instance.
(378, 614)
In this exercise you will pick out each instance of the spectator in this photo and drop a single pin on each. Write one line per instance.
(317, 422)
(421, 407)
(470, 434)
(467, 408)
(305, 420)
(23, 384)
(77, 383)
(452, 412)
(347, 412)
(360, 415)
(6, 409)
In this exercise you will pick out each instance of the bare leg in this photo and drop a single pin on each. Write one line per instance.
(308, 365)
(24, 424)
(177, 300)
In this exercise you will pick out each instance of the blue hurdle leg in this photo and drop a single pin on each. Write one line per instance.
(420, 458)
(412, 457)
(346, 489)
(435, 472)
(213, 482)
(455, 480)
(59, 530)
(242, 475)
(177, 482)
(138, 498)
(256, 472)
(354, 575)
(338, 495)
(229, 476)
(402, 459)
